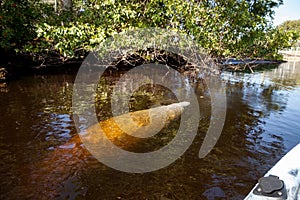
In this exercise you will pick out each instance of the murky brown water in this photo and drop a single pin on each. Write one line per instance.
(41, 157)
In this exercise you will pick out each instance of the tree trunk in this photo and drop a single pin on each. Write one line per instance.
(66, 4)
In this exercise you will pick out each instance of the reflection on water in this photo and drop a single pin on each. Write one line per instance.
(42, 158)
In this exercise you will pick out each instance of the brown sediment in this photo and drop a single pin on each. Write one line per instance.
(3, 87)
(3, 74)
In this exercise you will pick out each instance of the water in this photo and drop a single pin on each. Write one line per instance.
(41, 157)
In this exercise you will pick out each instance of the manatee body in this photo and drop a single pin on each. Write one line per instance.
(140, 124)
(47, 178)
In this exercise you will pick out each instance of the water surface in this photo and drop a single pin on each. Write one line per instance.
(262, 124)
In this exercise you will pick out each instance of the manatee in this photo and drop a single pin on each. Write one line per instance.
(48, 177)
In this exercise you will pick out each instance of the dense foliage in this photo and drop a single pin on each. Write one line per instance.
(17, 18)
(291, 25)
(226, 28)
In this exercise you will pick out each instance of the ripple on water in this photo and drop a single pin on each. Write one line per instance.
(262, 124)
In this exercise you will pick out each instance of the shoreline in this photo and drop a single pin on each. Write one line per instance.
(16, 65)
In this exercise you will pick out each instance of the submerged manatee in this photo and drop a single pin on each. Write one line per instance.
(140, 124)
(50, 177)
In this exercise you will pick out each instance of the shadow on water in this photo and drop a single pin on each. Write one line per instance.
(261, 125)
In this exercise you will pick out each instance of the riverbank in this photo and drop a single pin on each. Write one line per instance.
(248, 65)
(14, 65)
